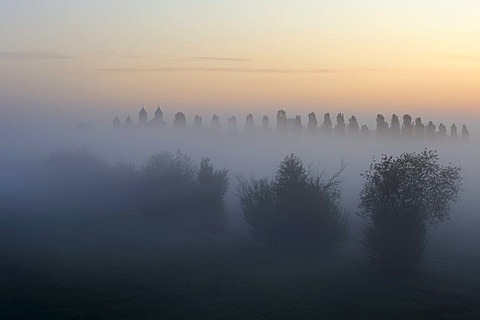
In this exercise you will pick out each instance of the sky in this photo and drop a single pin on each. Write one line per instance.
(108, 57)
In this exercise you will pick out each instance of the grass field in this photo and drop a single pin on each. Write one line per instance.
(132, 267)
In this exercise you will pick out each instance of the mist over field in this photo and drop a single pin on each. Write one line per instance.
(292, 159)
(80, 237)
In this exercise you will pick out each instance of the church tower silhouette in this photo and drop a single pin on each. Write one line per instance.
(142, 117)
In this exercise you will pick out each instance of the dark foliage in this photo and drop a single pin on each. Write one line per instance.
(395, 126)
(298, 210)
(401, 198)
(169, 186)
(176, 189)
(282, 120)
(353, 127)
(167, 182)
(382, 126)
(79, 180)
(212, 186)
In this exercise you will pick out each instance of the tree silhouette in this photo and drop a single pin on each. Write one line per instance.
(365, 132)
(442, 131)
(212, 187)
(340, 126)
(395, 126)
(174, 188)
(299, 210)
(453, 131)
(465, 133)
(232, 124)
(382, 126)
(407, 127)
(352, 127)
(198, 122)
(180, 121)
(327, 124)
(312, 122)
(215, 122)
(168, 182)
(419, 129)
(282, 121)
(249, 124)
(401, 198)
(265, 123)
(297, 124)
(430, 130)
(79, 180)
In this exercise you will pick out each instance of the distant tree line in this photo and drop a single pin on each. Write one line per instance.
(168, 185)
(407, 128)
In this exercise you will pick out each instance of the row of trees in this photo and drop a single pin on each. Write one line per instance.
(408, 129)
(298, 210)
(401, 199)
(168, 185)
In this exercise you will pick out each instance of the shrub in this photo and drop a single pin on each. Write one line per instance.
(298, 210)
(167, 184)
(212, 187)
(401, 198)
(175, 188)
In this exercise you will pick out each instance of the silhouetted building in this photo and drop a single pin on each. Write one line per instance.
(129, 121)
(158, 118)
(116, 122)
(142, 117)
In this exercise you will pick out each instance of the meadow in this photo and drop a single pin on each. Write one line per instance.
(130, 267)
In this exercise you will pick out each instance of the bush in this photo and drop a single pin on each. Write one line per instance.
(169, 185)
(298, 210)
(212, 187)
(401, 198)
(79, 180)
(175, 188)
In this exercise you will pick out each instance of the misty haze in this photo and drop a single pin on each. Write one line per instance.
(239, 160)
(157, 214)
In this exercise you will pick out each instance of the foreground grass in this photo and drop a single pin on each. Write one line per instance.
(131, 267)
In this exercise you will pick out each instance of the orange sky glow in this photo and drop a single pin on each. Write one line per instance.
(243, 56)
